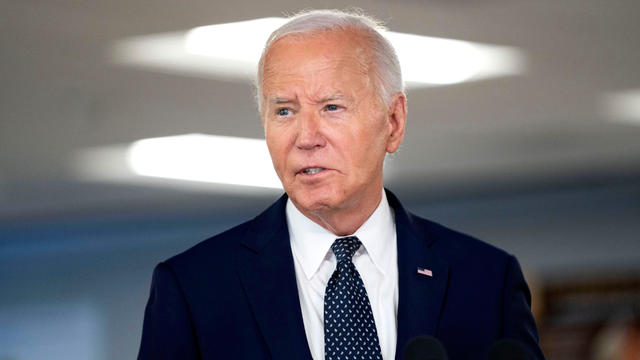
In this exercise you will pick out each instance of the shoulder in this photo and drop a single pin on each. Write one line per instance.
(461, 250)
(220, 251)
(452, 246)
(474, 265)
(216, 251)
(446, 238)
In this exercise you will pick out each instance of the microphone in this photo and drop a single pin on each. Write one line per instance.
(508, 349)
(424, 347)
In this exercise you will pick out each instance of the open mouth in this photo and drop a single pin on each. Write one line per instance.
(312, 171)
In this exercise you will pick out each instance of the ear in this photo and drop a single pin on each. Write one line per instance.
(396, 120)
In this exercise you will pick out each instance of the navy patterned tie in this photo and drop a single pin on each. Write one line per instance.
(349, 328)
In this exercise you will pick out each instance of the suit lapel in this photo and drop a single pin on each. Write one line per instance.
(420, 296)
(265, 265)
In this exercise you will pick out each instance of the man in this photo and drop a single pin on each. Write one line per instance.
(335, 269)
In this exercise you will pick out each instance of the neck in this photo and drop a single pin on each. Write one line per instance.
(345, 221)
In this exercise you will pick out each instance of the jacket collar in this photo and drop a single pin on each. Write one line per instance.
(267, 272)
(265, 267)
(421, 296)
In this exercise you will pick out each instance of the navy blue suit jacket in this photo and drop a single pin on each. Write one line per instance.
(234, 296)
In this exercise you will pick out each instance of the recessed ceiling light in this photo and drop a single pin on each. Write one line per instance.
(238, 41)
(232, 51)
(192, 162)
(206, 158)
(623, 106)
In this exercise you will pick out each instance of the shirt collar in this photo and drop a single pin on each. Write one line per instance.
(311, 243)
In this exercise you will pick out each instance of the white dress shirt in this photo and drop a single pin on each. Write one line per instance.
(376, 261)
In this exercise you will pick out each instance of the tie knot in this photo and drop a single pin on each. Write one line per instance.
(345, 247)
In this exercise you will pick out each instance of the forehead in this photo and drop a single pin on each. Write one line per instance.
(330, 58)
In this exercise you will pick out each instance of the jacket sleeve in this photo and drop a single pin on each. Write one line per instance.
(518, 320)
(167, 331)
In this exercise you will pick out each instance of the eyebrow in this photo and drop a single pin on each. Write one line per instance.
(336, 96)
(283, 100)
(280, 100)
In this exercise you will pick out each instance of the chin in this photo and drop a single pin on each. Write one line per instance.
(314, 200)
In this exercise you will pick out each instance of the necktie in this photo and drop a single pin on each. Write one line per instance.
(349, 327)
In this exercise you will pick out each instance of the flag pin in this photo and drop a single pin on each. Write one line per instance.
(425, 272)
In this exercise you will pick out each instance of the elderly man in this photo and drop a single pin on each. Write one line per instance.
(337, 268)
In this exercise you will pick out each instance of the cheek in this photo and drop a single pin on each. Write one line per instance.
(372, 141)
(370, 156)
(278, 158)
(278, 149)
(274, 152)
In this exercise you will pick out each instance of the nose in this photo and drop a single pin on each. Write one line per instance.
(309, 135)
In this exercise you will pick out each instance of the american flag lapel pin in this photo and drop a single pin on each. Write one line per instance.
(425, 272)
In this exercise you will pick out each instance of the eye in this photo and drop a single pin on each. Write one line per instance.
(332, 107)
(284, 112)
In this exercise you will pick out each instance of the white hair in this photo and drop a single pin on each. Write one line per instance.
(386, 69)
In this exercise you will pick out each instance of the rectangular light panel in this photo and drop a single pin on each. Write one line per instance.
(205, 161)
(623, 106)
(232, 51)
(206, 158)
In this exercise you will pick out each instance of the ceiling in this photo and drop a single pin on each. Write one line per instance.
(61, 95)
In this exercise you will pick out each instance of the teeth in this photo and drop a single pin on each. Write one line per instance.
(311, 171)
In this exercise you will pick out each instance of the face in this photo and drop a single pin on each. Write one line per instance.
(325, 126)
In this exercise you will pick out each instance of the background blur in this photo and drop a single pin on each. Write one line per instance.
(540, 163)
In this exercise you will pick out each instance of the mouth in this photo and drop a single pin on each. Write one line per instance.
(312, 170)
